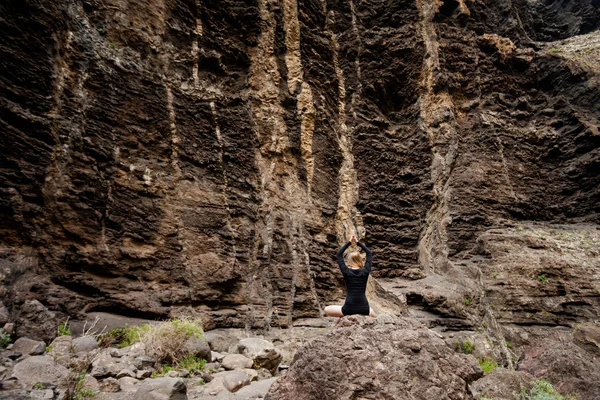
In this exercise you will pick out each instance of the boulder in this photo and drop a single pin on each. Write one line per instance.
(61, 349)
(162, 389)
(262, 353)
(36, 321)
(214, 387)
(84, 344)
(9, 328)
(3, 314)
(362, 359)
(233, 380)
(198, 347)
(252, 374)
(128, 384)
(501, 384)
(144, 373)
(91, 383)
(36, 369)
(110, 385)
(45, 394)
(568, 367)
(30, 347)
(103, 365)
(128, 371)
(256, 390)
(214, 356)
(143, 362)
(218, 342)
(236, 361)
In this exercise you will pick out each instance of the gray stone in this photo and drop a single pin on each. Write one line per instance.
(47, 394)
(110, 385)
(3, 314)
(91, 383)
(236, 361)
(198, 347)
(36, 369)
(61, 349)
(103, 365)
(84, 344)
(162, 389)
(128, 384)
(233, 380)
(30, 347)
(9, 328)
(11, 383)
(212, 366)
(252, 373)
(214, 387)
(214, 356)
(218, 342)
(3, 372)
(142, 362)
(128, 371)
(262, 352)
(144, 373)
(256, 390)
(264, 374)
(36, 321)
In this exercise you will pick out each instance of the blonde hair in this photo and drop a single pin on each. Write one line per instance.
(355, 260)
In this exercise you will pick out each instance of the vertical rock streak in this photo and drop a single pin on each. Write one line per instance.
(306, 107)
(284, 197)
(347, 216)
(225, 183)
(437, 121)
(196, 47)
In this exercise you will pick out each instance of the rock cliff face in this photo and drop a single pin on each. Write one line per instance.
(158, 156)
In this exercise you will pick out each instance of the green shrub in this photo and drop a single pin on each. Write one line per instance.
(80, 393)
(465, 347)
(123, 337)
(467, 302)
(166, 341)
(543, 390)
(63, 328)
(542, 278)
(189, 362)
(508, 344)
(134, 334)
(5, 338)
(487, 364)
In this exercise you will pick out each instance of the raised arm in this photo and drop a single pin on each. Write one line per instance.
(369, 259)
(340, 257)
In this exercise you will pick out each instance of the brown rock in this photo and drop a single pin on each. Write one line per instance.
(39, 369)
(30, 347)
(36, 321)
(393, 361)
(236, 361)
(568, 367)
(502, 384)
(110, 385)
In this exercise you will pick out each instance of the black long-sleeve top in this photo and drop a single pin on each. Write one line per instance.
(356, 282)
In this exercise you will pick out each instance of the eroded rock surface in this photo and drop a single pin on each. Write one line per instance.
(361, 357)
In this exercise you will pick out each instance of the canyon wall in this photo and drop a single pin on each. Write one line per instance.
(159, 156)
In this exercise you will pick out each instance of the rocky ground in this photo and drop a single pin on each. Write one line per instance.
(238, 367)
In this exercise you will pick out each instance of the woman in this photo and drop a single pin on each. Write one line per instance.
(356, 276)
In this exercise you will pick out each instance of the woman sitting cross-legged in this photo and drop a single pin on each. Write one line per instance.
(356, 276)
